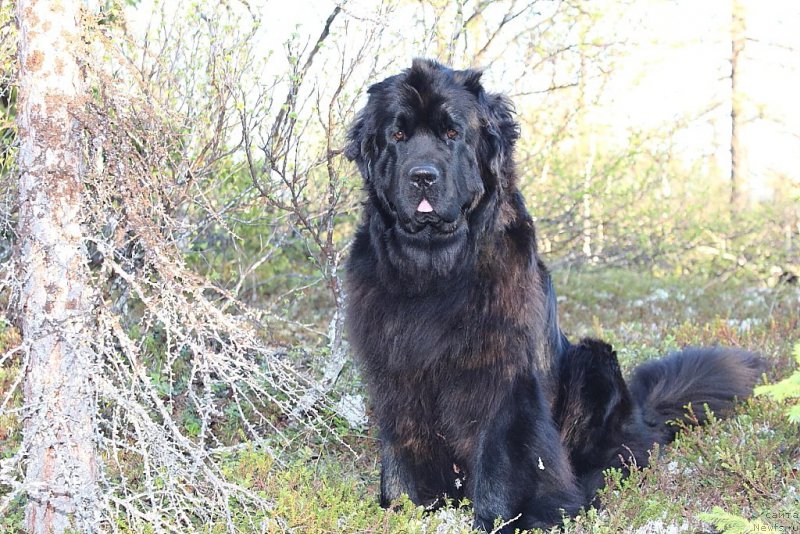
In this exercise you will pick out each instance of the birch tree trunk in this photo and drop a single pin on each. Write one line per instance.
(55, 295)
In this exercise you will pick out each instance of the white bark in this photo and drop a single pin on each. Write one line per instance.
(55, 297)
(586, 202)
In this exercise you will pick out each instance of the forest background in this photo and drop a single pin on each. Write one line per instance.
(658, 156)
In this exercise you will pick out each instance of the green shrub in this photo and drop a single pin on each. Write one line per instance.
(787, 389)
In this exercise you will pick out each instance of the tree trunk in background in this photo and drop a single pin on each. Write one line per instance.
(55, 297)
(586, 202)
(737, 46)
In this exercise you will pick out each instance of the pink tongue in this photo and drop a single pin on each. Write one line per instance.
(425, 206)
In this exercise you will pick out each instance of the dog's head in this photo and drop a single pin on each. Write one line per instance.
(435, 151)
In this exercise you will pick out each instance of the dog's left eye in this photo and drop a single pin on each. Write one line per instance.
(451, 133)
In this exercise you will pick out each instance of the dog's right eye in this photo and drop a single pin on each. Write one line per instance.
(399, 135)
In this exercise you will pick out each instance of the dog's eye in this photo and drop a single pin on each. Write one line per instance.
(451, 133)
(399, 135)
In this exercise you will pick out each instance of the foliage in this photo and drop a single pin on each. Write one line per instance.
(786, 389)
(730, 523)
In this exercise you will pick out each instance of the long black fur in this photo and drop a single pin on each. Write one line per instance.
(452, 315)
(606, 423)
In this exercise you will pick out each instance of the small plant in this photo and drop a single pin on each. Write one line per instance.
(731, 523)
(786, 389)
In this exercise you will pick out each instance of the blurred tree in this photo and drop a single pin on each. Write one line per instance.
(736, 102)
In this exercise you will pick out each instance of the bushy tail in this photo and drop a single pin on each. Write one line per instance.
(713, 376)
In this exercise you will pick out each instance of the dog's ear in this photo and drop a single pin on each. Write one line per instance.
(470, 79)
(355, 134)
(362, 144)
(500, 130)
(500, 133)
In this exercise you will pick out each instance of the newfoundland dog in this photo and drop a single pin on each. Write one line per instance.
(452, 317)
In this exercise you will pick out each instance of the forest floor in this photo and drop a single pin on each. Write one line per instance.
(747, 466)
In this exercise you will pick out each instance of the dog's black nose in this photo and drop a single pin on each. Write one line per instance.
(423, 175)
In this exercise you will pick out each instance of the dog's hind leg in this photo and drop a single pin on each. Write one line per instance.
(600, 424)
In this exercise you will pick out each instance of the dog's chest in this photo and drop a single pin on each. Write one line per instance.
(444, 409)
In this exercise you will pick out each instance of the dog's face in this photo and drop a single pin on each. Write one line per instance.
(432, 145)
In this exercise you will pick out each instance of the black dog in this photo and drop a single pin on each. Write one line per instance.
(452, 317)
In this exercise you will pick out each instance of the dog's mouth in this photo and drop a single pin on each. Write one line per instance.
(430, 224)
(441, 228)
